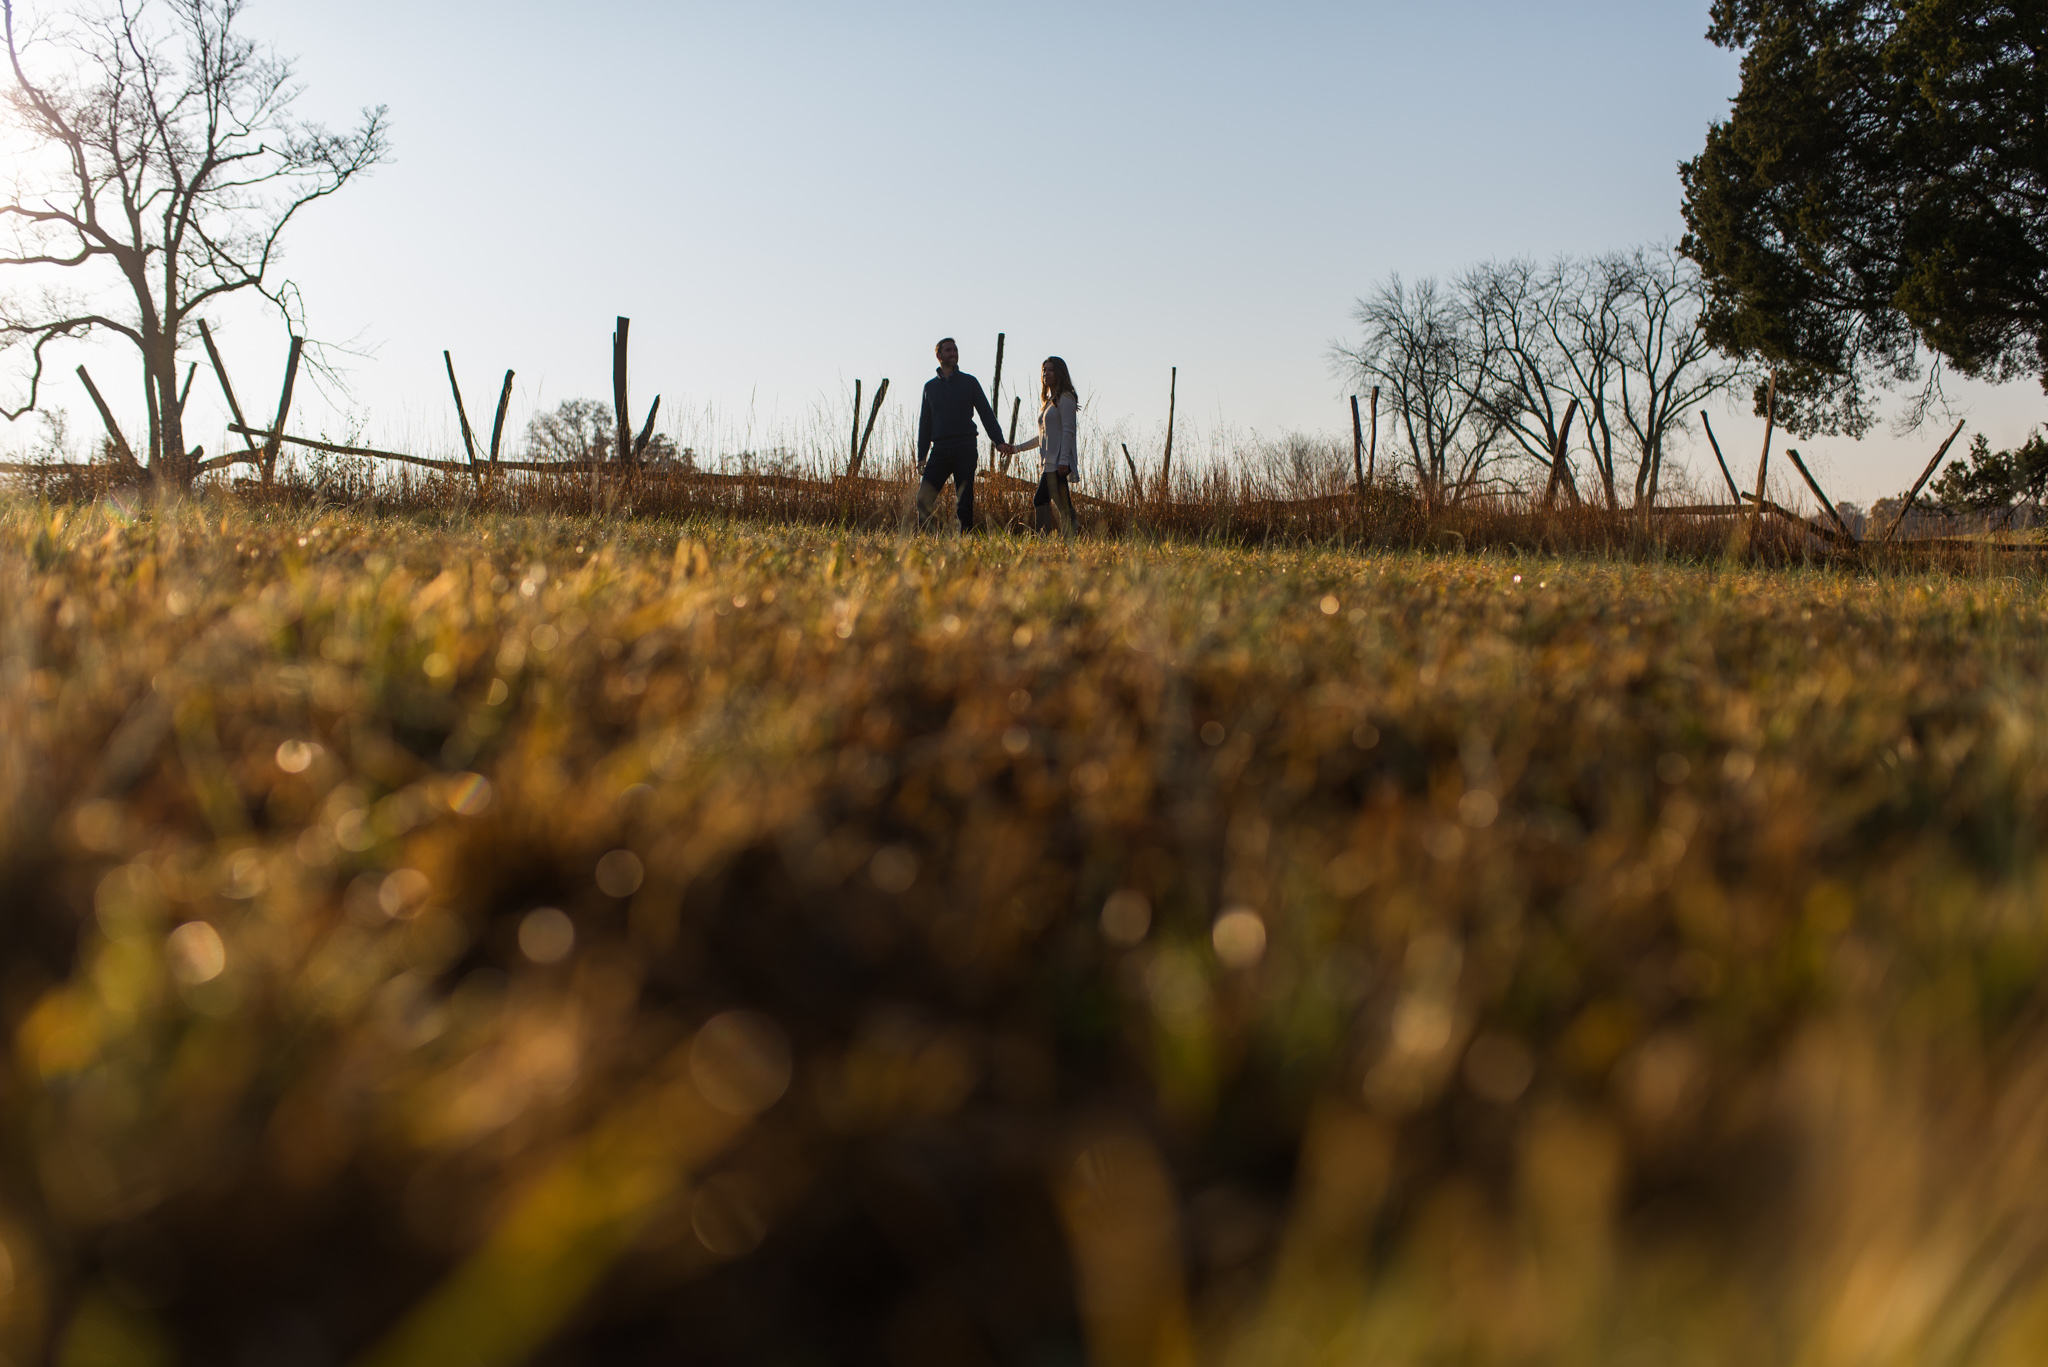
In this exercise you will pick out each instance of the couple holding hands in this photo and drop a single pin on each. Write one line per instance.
(947, 449)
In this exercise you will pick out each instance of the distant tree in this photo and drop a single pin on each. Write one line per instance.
(662, 453)
(1422, 348)
(1532, 375)
(579, 430)
(1994, 481)
(1620, 334)
(1665, 364)
(584, 431)
(1880, 184)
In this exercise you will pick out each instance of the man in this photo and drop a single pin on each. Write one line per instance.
(946, 445)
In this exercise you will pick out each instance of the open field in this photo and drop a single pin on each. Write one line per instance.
(980, 952)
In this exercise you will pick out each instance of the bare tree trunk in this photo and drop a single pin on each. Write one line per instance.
(1603, 456)
(159, 467)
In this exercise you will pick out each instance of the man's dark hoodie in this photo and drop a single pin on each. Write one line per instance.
(947, 419)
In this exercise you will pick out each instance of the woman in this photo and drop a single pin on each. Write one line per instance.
(1057, 444)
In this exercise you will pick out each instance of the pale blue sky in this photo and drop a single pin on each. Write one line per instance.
(787, 196)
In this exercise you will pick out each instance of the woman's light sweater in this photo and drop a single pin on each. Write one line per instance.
(1057, 444)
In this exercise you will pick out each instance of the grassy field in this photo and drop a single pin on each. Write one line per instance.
(456, 938)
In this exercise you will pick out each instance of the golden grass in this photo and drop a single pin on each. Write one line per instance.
(982, 951)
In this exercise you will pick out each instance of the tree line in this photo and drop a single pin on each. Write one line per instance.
(1580, 372)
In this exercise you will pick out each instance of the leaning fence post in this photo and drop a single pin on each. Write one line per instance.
(498, 423)
(284, 407)
(1558, 468)
(227, 390)
(1907, 506)
(1732, 487)
(1357, 446)
(107, 417)
(462, 416)
(1826, 504)
(646, 431)
(1016, 407)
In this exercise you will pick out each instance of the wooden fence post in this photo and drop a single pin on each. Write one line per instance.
(1827, 504)
(1756, 519)
(498, 423)
(1357, 446)
(860, 452)
(462, 416)
(227, 390)
(621, 451)
(1907, 506)
(853, 441)
(1372, 444)
(1016, 407)
(1558, 469)
(107, 417)
(1166, 467)
(646, 432)
(284, 407)
(995, 392)
(1733, 488)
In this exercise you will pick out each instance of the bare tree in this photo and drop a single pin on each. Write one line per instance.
(1667, 368)
(1620, 334)
(167, 166)
(1529, 382)
(1588, 320)
(1422, 348)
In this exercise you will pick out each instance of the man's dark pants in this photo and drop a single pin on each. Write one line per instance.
(954, 460)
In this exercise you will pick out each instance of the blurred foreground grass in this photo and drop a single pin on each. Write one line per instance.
(448, 940)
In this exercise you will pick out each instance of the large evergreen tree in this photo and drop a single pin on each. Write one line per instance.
(1881, 183)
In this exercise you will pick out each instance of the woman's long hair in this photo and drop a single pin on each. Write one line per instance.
(1059, 382)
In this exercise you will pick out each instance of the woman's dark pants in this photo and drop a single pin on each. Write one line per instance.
(1053, 505)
